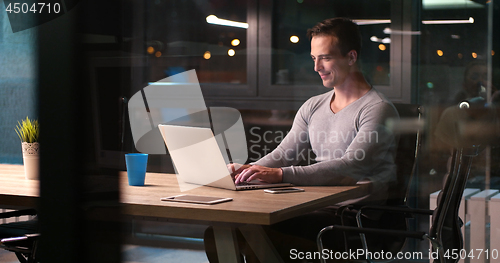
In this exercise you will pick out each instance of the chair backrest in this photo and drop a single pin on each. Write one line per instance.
(446, 223)
(406, 156)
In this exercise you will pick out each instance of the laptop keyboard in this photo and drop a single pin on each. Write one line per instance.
(249, 183)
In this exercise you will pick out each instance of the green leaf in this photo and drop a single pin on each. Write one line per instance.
(28, 130)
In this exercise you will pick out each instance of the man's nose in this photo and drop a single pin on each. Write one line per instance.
(317, 65)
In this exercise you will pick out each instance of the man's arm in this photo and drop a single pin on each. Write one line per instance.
(370, 157)
(289, 152)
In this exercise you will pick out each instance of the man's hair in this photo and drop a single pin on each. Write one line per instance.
(344, 29)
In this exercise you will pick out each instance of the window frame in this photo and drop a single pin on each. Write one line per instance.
(401, 58)
(221, 90)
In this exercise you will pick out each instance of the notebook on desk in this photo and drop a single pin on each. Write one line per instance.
(198, 159)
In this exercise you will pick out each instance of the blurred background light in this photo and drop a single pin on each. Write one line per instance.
(385, 40)
(235, 42)
(449, 4)
(447, 22)
(207, 55)
(212, 19)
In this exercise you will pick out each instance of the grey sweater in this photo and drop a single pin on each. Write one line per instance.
(351, 146)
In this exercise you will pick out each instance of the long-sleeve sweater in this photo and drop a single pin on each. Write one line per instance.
(351, 146)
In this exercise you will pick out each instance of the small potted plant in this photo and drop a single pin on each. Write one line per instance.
(28, 131)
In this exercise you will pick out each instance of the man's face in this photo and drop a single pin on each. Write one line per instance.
(332, 67)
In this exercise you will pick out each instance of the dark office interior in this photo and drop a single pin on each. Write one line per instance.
(76, 71)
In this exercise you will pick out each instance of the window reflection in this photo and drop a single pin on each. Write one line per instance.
(453, 70)
(207, 36)
(453, 38)
(291, 61)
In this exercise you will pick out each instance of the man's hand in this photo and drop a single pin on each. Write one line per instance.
(269, 175)
(236, 168)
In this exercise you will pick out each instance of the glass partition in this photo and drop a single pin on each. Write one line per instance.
(454, 38)
(456, 66)
(254, 55)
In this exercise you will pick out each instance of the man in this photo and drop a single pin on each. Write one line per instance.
(345, 128)
(475, 83)
(475, 79)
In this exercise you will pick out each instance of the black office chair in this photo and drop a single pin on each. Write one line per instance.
(445, 233)
(20, 237)
(406, 159)
(407, 153)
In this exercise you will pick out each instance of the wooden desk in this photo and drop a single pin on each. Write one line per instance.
(15, 190)
(247, 207)
(248, 210)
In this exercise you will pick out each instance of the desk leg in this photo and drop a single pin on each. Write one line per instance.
(260, 243)
(227, 244)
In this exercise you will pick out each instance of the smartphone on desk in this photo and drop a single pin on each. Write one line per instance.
(283, 190)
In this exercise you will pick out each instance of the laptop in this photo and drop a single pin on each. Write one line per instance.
(199, 161)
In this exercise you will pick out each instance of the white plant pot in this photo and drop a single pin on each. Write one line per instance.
(31, 159)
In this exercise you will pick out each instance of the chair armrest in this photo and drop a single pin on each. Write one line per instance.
(397, 209)
(10, 240)
(402, 209)
(24, 212)
(412, 234)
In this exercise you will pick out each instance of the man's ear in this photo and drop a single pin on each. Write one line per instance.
(352, 56)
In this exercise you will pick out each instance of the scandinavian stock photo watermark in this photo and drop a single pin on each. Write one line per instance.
(327, 142)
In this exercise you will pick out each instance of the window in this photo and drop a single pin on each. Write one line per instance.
(291, 61)
(285, 66)
(212, 37)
